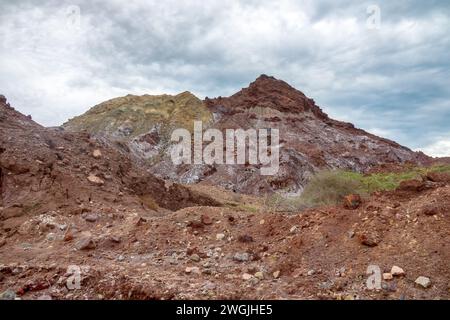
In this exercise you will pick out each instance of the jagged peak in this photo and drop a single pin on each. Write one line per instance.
(268, 92)
(265, 82)
(186, 93)
(265, 77)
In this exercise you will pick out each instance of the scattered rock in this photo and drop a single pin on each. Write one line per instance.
(352, 201)
(51, 236)
(97, 154)
(68, 236)
(327, 285)
(115, 239)
(195, 224)
(241, 257)
(340, 272)
(387, 276)
(8, 295)
(26, 246)
(424, 282)
(16, 271)
(44, 297)
(220, 236)
(276, 274)
(95, 180)
(259, 275)
(247, 276)
(245, 238)
(90, 217)
(370, 239)
(207, 271)
(430, 209)
(195, 257)
(85, 243)
(438, 176)
(397, 271)
(194, 270)
(206, 220)
(209, 286)
(411, 185)
(293, 229)
(390, 287)
(140, 221)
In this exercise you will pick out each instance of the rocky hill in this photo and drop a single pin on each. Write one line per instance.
(142, 123)
(44, 169)
(309, 140)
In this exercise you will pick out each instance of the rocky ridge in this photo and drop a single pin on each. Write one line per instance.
(310, 141)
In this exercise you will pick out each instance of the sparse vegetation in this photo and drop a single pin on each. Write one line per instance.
(149, 202)
(248, 208)
(329, 187)
(391, 180)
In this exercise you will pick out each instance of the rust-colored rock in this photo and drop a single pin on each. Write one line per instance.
(412, 185)
(370, 239)
(438, 177)
(432, 209)
(245, 238)
(86, 243)
(352, 201)
(310, 140)
(149, 261)
(206, 219)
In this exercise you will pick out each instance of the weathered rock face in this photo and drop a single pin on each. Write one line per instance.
(142, 123)
(309, 140)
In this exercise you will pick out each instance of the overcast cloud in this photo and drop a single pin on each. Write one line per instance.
(59, 58)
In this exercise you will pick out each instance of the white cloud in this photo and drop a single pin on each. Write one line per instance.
(394, 79)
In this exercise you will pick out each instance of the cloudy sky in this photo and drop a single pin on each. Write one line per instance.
(383, 65)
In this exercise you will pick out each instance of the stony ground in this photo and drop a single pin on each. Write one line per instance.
(222, 253)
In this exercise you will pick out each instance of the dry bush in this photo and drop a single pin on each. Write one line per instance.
(149, 203)
(329, 187)
(325, 188)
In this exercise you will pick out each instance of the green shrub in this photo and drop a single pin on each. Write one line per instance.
(324, 188)
(329, 187)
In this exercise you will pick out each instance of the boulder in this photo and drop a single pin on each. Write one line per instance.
(95, 180)
(423, 282)
(352, 201)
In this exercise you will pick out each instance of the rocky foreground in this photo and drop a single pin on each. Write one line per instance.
(213, 252)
